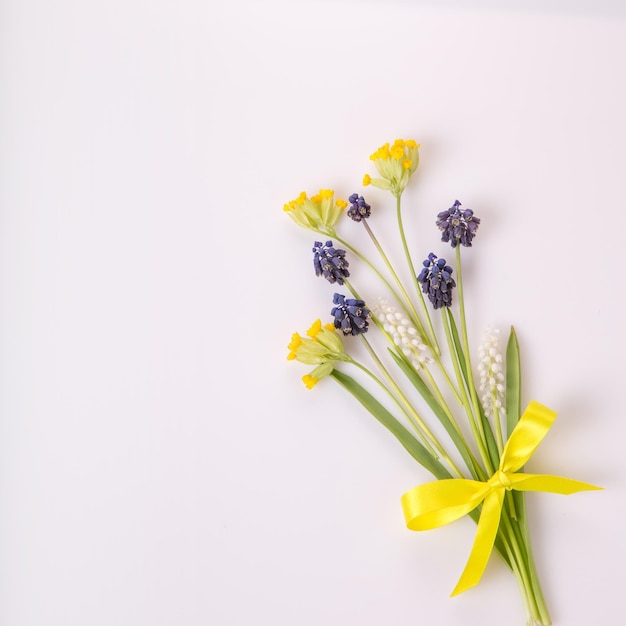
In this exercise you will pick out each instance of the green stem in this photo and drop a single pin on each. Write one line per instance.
(521, 525)
(466, 353)
(444, 405)
(413, 415)
(482, 449)
(530, 587)
(517, 570)
(415, 318)
(521, 561)
(397, 402)
(447, 378)
(407, 254)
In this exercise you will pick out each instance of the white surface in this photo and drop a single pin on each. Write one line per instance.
(160, 462)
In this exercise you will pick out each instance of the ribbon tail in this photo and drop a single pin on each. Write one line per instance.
(483, 543)
(548, 483)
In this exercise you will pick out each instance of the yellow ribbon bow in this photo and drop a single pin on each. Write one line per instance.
(443, 501)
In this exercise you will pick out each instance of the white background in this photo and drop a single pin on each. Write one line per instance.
(160, 461)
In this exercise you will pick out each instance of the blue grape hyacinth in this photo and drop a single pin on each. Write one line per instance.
(330, 262)
(351, 316)
(437, 282)
(458, 225)
(359, 209)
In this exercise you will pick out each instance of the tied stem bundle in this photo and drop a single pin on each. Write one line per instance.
(438, 503)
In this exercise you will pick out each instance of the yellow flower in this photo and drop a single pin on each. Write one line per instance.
(319, 212)
(309, 381)
(395, 163)
(322, 346)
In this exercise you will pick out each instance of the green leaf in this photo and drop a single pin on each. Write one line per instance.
(513, 383)
(410, 443)
(438, 410)
(513, 405)
(492, 447)
(458, 348)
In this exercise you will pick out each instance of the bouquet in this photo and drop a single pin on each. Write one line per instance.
(426, 371)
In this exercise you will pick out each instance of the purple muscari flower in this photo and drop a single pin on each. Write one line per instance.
(437, 282)
(351, 315)
(458, 226)
(359, 209)
(329, 262)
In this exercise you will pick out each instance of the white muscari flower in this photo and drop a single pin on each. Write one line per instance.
(490, 369)
(403, 334)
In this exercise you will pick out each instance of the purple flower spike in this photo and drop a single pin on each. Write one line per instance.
(458, 226)
(437, 282)
(359, 209)
(330, 262)
(351, 316)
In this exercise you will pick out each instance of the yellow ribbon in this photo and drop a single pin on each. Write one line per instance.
(443, 501)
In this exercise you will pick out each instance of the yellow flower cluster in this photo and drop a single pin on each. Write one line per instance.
(395, 163)
(319, 212)
(322, 347)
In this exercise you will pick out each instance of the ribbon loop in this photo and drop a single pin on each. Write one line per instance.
(442, 501)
